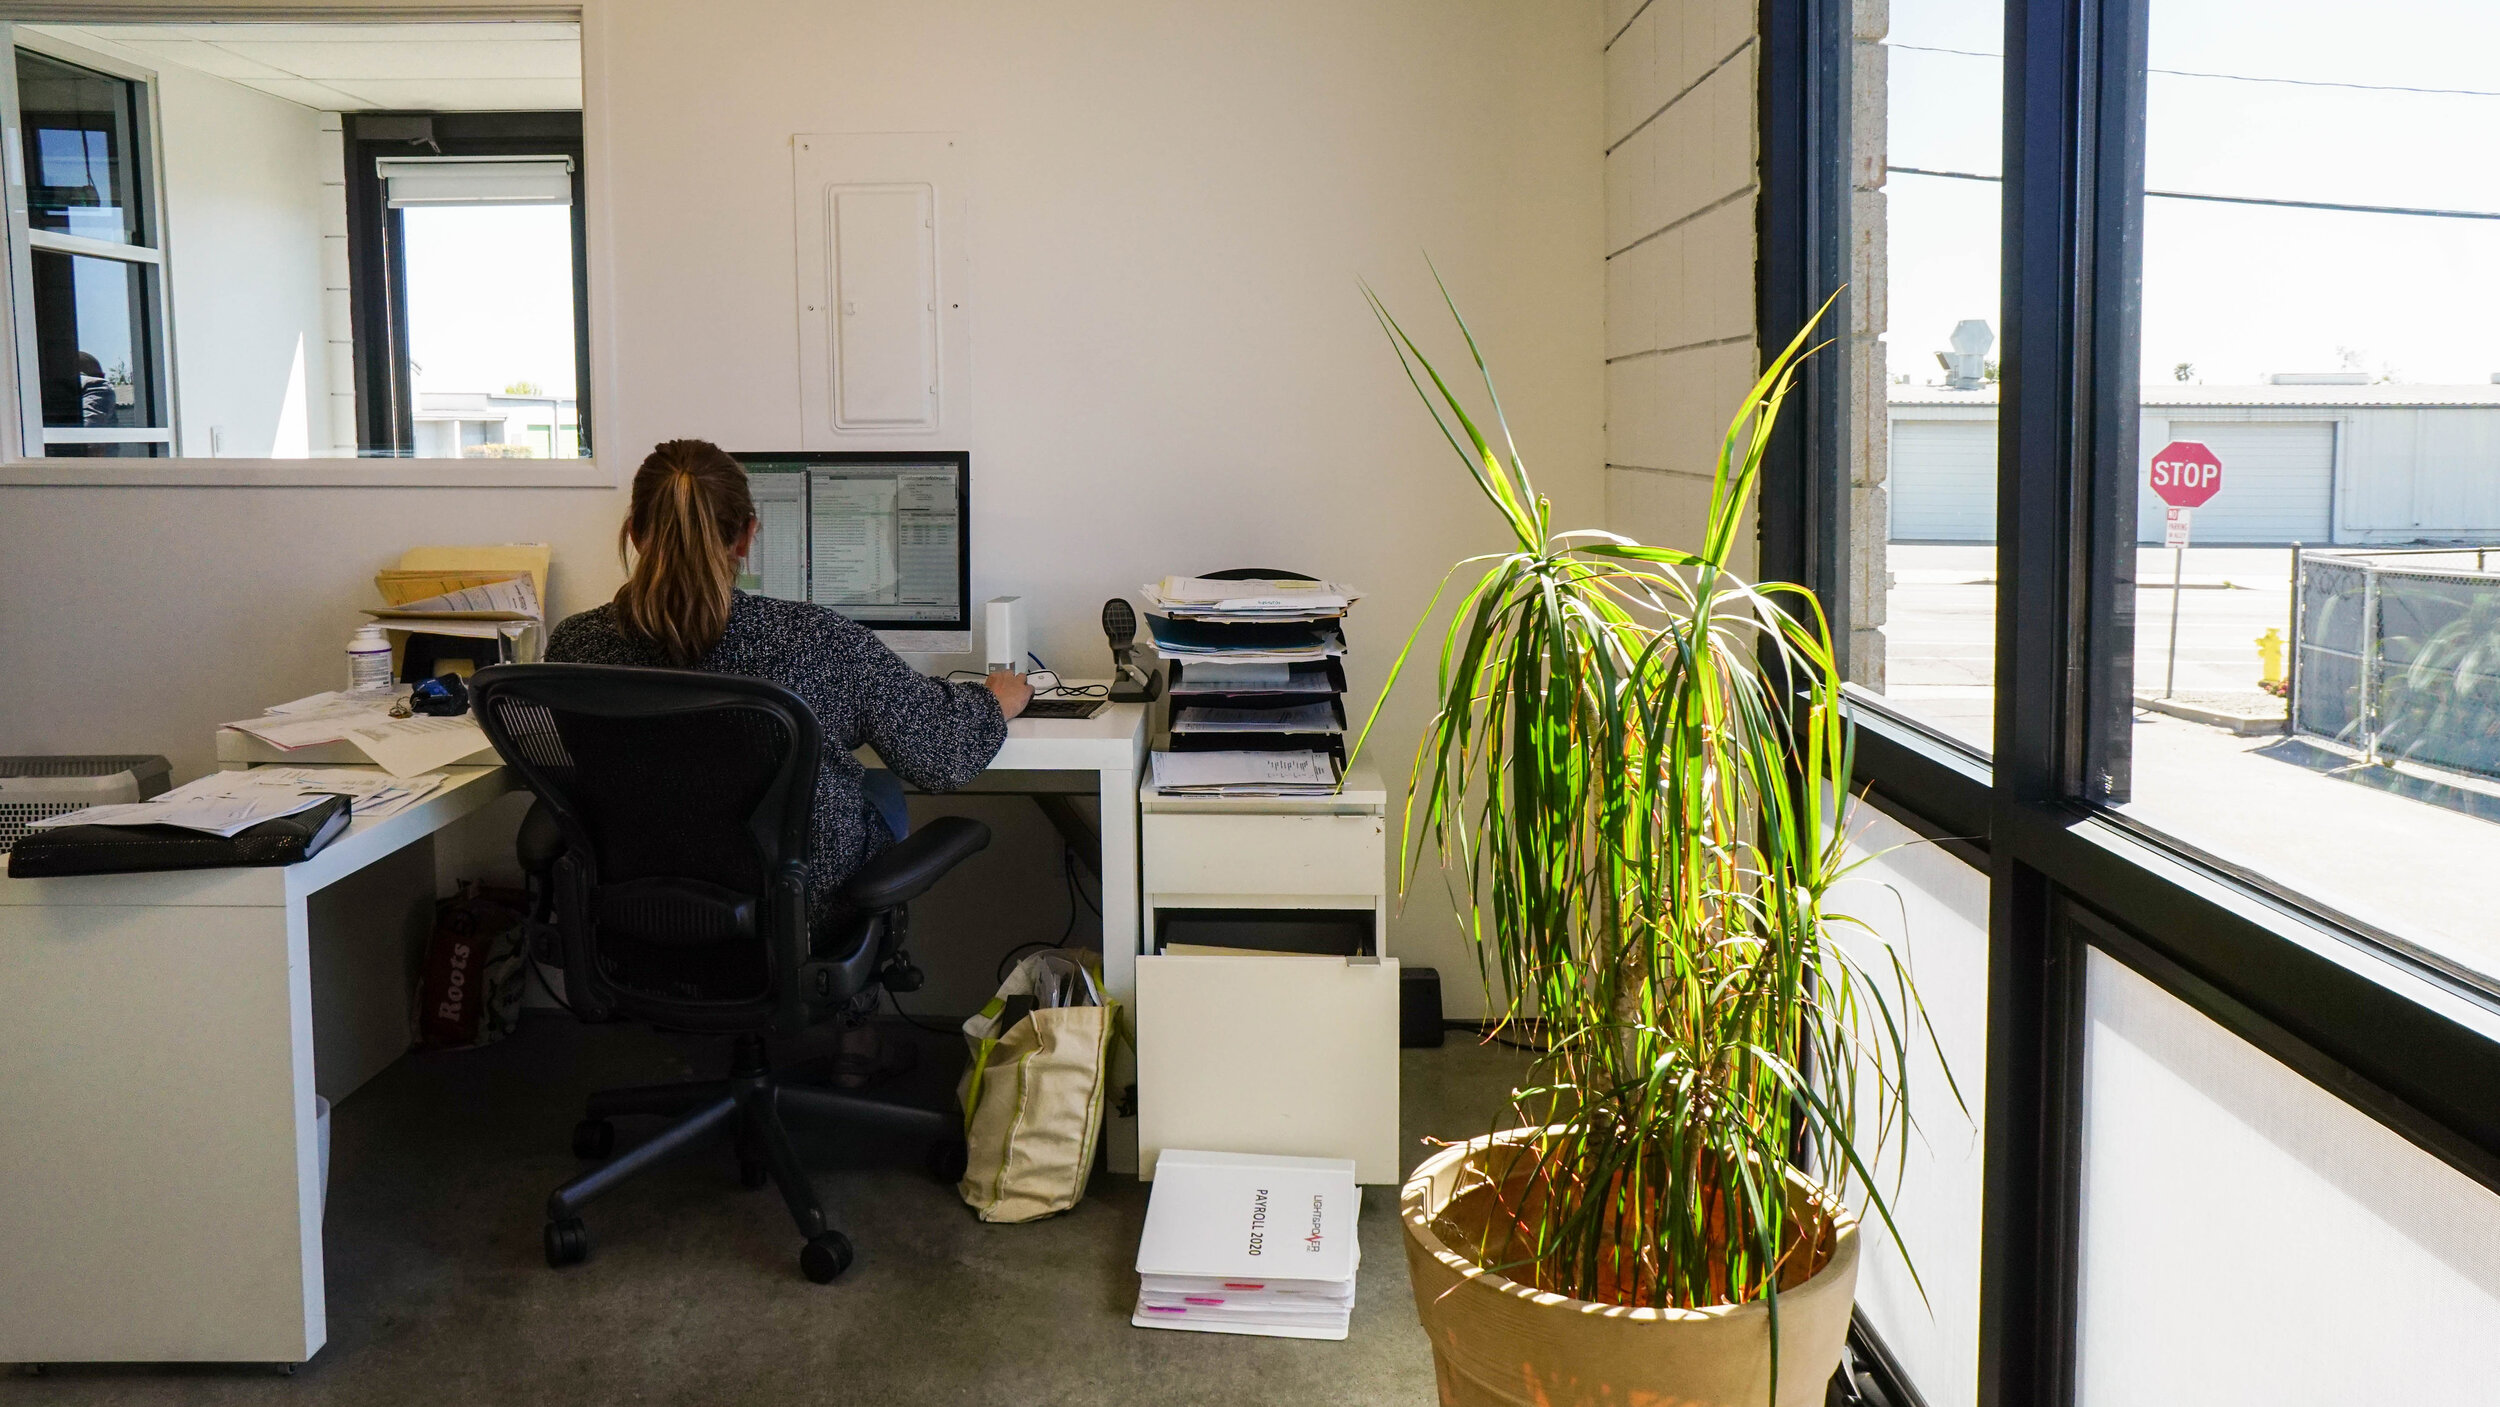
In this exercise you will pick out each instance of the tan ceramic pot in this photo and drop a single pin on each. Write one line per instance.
(1498, 1343)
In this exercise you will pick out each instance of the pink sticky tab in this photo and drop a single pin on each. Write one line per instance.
(1200, 1299)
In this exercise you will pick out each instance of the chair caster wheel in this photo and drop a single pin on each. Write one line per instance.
(594, 1139)
(568, 1242)
(826, 1255)
(947, 1160)
(753, 1173)
(286, 1370)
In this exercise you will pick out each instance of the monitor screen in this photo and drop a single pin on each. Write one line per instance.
(882, 538)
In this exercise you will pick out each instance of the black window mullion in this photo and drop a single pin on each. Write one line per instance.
(2028, 1282)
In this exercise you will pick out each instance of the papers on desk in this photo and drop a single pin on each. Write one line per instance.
(1218, 675)
(1202, 598)
(1263, 642)
(1241, 1243)
(228, 803)
(1245, 773)
(481, 597)
(1318, 717)
(404, 747)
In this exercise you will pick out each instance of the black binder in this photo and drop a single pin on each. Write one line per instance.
(69, 850)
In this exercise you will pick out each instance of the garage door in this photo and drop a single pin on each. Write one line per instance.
(2276, 482)
(1944, 480)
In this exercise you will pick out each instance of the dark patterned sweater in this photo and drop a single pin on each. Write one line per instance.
(933, 734)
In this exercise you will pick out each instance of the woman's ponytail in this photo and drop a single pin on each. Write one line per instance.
(680, 543)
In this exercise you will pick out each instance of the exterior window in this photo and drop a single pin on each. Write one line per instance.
(90, 268)
(1923, 441)
(2317, 668)
(466, 246)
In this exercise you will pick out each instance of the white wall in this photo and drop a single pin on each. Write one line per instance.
(1174, 369)
(243, 207)
(1680, 255)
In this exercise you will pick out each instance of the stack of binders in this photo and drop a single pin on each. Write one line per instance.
(1255, 666)
(1240, 1243)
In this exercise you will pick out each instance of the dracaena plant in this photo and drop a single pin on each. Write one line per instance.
(1636, 779)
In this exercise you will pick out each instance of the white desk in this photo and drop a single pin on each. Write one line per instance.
(160, 1194)
(160, 1190)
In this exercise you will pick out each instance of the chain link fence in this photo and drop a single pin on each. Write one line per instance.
(2397, 654)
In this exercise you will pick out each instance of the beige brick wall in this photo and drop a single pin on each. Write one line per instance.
(1680, 185)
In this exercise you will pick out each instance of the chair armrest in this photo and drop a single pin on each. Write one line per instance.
(906, 869)
(540, 840)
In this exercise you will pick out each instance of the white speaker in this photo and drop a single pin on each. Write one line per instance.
(1002, 633)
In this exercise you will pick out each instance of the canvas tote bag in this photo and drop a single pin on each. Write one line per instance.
(1033, 1091)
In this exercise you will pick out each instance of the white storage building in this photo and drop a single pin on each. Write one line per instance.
(2362, 464)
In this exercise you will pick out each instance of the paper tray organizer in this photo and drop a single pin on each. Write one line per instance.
(1332, 744)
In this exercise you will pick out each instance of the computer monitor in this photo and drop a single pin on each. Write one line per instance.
(883, 538)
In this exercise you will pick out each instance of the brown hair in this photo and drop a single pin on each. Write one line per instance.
(680, 542)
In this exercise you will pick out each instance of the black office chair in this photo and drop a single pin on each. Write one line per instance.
(672, 831)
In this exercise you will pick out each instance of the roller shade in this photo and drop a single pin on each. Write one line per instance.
(477, 180)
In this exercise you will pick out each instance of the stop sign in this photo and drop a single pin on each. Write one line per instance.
(2186, 474)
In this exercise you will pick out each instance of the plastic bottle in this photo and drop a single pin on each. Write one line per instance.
(368, 659)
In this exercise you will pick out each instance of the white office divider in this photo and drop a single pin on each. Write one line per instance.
(1926, 903)
(2248, 1238)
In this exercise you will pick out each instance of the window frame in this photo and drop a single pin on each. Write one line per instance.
(25, 242)
(594, 273)
(377, 275)
(2408, 1040)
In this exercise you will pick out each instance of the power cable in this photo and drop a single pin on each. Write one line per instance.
(2240, 77)
(2426, 212)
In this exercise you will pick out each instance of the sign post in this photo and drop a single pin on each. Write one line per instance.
(2186, 475)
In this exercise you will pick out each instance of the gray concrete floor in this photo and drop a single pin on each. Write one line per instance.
(692, 1294)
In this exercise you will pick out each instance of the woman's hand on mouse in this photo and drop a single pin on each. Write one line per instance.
(1011, 691)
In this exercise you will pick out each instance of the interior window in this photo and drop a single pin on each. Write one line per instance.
(91, 265)
(359, 248)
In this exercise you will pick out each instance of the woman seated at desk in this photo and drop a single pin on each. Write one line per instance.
(689, 525)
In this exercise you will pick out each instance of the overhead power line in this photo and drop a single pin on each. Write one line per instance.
(2243, 77)
(2240, 199)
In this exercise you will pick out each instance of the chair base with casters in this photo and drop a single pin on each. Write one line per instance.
(752, 1107)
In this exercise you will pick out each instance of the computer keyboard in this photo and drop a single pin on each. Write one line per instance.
(1065, 708)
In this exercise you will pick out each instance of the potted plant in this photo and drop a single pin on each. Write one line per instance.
(1638, 774)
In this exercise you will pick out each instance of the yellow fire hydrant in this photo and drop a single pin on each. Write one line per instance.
(2270, 656)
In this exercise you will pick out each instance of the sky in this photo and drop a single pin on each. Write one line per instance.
(490, 296)
(2237, 291)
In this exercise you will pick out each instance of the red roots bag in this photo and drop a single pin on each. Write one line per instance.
(470, 991)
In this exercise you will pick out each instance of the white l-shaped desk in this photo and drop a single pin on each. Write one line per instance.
(160, 1192)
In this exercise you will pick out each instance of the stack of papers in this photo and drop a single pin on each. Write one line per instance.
(1245, 773)
(228, 803)
(475, 592)
(404, 747)
(1202, 598)
(1244, 1243)
(1218, 675)
(1265, 642)
(1318, 717)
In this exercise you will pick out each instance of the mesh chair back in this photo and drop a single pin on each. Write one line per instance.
(685, 799)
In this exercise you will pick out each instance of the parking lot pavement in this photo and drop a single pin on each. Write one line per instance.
(2418, 869)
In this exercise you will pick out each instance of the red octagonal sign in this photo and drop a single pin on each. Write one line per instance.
(2186, 474)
